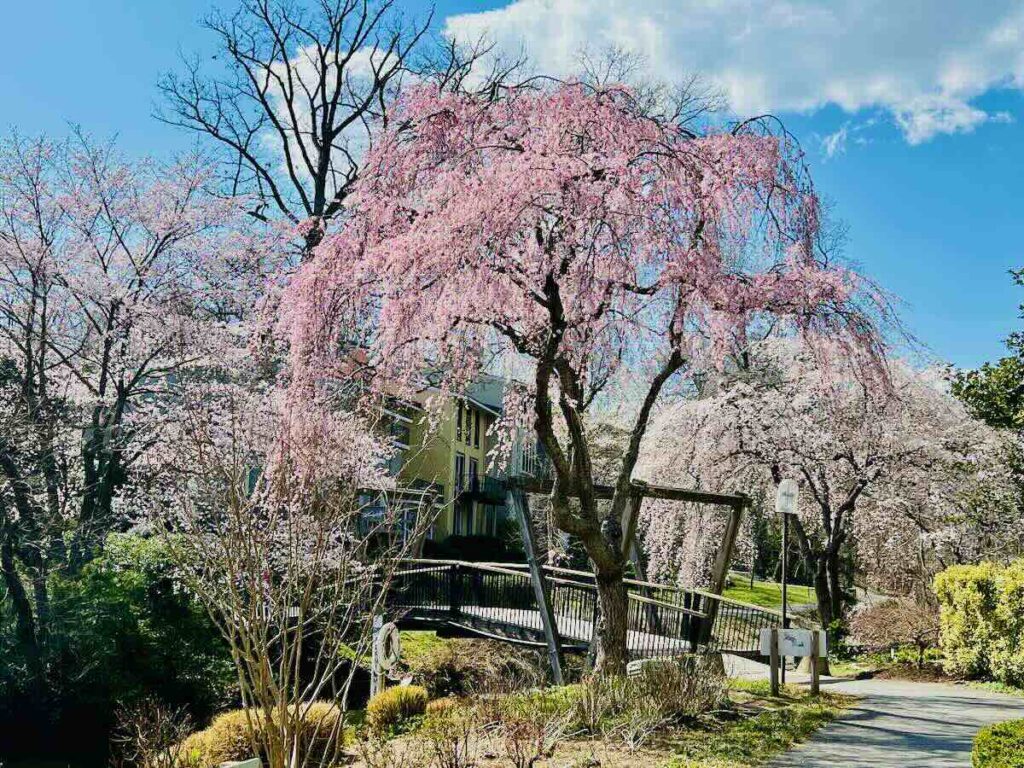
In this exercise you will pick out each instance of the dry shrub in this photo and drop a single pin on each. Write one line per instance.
(634, 708)
(377, 751)
(529, 727)
(681, 689)
(460, 667)
(150, 735)
(395, 705)
(232, 734)
(894, 623)
(451, 736)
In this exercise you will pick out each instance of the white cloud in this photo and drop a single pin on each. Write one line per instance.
(835, 143)
(923, 61)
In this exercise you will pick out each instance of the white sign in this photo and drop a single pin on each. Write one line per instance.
(792, 642)
(786, 496)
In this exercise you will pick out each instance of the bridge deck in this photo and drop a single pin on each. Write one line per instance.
(498, 601)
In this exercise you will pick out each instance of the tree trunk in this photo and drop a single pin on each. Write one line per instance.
(823, 594)
(835, 585)
(25, 624)
(612, 625)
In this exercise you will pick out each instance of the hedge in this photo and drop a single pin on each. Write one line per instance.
(999, 746)
(981, 611)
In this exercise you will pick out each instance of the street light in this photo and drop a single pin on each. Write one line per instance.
(785, 505)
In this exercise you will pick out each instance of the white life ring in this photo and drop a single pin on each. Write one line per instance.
(388, 647)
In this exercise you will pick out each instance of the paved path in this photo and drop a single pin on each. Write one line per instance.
(903, 725)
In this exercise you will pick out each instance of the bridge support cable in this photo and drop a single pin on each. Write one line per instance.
(517, 501)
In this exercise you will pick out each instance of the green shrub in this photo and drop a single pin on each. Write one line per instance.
(121, 631)
(981, 609)
(999, 746)
(228, 736)
(1007, 655)
(395, 705)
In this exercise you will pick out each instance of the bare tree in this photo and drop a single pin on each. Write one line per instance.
(268, 522)
(292, 96)
(894, 623)
(150, 735)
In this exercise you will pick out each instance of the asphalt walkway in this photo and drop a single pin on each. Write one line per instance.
(903, 725)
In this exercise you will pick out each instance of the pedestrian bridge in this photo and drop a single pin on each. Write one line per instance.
(501, 601)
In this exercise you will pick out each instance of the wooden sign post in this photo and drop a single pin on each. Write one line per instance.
(773, 657)
(814, 663)
(778, 644)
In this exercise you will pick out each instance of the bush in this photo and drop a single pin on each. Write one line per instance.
(121, 631)
(463, 667)
(896, 623)
(981, 610)
(999, 746)
(451, 736)
(633, 708)
(395, 705)
(228, 736)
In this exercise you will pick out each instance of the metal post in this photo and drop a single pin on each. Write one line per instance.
(785, 552)
(720, 570)
(516, 499)
(785, 505)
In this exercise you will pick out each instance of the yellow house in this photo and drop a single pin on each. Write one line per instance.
(450, 458)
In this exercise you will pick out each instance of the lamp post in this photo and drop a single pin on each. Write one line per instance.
(785, 505)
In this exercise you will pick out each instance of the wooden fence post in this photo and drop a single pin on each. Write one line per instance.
(774, 661)
(815, 637)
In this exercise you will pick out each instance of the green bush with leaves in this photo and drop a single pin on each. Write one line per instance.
(121, 631)
(999, 746)
(395, 705)
(981, 609)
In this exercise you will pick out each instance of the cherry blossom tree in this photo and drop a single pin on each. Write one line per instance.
(260, 502)
(576, 236)
(881, 463)
(115, 278)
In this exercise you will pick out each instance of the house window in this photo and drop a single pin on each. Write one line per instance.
(476, 434)
(460, 472)
(464, 518)
(469, 425)
(474, 474)
(458, 422)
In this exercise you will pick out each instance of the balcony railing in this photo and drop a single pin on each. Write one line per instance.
(480, 487)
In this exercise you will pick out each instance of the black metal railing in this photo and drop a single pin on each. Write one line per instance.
(499, 600)
(481, 487)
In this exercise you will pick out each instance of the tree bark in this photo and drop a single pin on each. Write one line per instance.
(25, 624)
(612, 626)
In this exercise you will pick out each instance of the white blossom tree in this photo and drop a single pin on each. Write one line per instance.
(116, 279)
(875, 459)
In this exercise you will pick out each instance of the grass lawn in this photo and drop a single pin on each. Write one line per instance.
(418, 643)
(768, 726)
(767, 594)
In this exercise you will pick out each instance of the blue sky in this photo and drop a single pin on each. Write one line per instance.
(912, 113)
